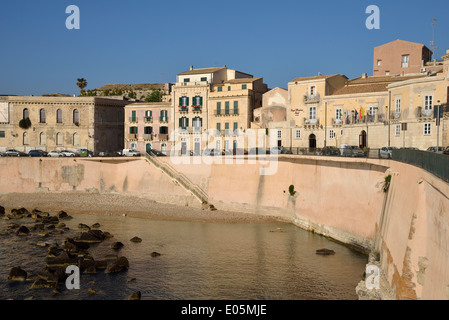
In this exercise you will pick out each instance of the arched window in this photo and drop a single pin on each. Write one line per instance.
(59, 116)
(26, 139)
(76, 139)
(76, 116)
(59, 139)
(42, 139)
(26, 113)
(42, 116)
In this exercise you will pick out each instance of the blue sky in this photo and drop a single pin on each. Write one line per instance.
(151, 41)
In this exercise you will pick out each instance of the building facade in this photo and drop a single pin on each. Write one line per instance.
(61, 123)
(148, 126)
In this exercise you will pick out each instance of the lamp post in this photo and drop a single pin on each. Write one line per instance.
(388, 114)
(438, 125)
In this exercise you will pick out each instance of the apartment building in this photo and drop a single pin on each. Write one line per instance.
(148, 126)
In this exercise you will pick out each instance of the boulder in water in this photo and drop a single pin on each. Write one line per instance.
(325, 252)
(22, 231)
(135, 296)
(17, 274)
(121, 264)
(136, 240)
(117, 245)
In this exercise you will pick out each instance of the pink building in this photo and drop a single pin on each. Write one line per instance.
(148, 125)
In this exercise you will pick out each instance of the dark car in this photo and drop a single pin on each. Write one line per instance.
(157, 153)
(446, 151)
(330, 151)
(15, 153)
(257, 151)
(37, 153)
(212, 152)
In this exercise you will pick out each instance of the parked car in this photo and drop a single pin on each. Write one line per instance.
(434, 149)
(212, 152)
(386, 152)
(157, 153)
(68, 153)
(239, 151)
(446, 151)
(353, 151)
(257, 151)
(85, 153)
(409, 148)
(330, 151)
(55, 154)
(15, 153)
(130, 153)
(37, 153)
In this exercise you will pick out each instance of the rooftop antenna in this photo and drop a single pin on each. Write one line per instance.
(433, 47)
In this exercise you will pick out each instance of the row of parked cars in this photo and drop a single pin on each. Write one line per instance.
(41, 153)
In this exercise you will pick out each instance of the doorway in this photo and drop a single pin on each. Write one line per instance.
(312, 141)
(362, 139)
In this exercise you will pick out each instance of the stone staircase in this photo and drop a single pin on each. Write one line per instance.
(180, 179)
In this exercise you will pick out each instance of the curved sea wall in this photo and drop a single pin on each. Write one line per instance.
(406, 228)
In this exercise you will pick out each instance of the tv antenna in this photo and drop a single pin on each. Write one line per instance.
(433, 47)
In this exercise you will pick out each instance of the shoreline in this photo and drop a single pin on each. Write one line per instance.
(118, 205)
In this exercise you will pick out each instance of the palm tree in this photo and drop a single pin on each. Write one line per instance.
(82, 83)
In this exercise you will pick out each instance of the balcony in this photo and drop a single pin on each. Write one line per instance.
(424, 113)
(395, 116)
(183, 109)
(312, 98)
(148, 119)
(197, 109)
(163, 136)
(337, 122)
(132, 136)
(132, 119)
(226, 113)
(163, 120)
(148, 136)
(312, 122)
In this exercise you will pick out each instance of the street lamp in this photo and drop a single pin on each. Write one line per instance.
(388, 114)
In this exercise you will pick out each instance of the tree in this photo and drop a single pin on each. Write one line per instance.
(155, 96)
(82, 83)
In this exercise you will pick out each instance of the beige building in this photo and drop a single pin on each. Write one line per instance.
(56, 123)
(148, 126)
(213, 103)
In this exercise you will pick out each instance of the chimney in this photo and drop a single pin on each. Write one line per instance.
(191, 67)
(364, 75)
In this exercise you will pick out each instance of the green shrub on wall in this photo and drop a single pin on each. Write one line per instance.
(25, 123)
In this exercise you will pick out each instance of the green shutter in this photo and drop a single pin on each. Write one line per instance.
(236, 107)
(201, 101)
(180, 122)
(133, 117)
(236, 125)
(187, 102)
(201, 122)
(227, 107)
(218, 126)
(187, 122)
(180, 101)
(218, 107)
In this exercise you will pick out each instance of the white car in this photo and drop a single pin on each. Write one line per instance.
(68, 153)
(386, 152)
(55, 153)
(130, 153)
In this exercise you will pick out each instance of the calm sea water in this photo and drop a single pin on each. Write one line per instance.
(201, 261)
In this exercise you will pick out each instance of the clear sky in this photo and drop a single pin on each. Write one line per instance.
(151, 41)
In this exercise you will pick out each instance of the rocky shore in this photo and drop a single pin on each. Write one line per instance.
(116, 204)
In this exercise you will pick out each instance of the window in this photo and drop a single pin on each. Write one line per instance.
(42, 116)
(203, 79)
(220, 89)
(397, 130)
(26, 113)
(148, 114)
(183, 123)
(387, 73)
(312, 90)
(26, 139)
(197, 101)
(405, 61)
(227, 107)
(279, 134)
(133, 130)
(236, 127)
(229, 88)
(341, 132)
(379, 62)
(298, 134)
(226, 128)
(59, 116)
(244, 86)
(76, 139)
(218, 128)
(2, 134)
(397, 105)
(197, 124)
(312, 113)
(133, 116)
(186, 79)
(427, 129)
(218, 144)
(59, 139)
(428, 102)
(163, 130)
(236, 107)
(148, 130)
(184, 101)
(331, 134)
(42, 139)
(76, 116)
(338, 114)
(226, 144)
(164, 115)
(372, 111)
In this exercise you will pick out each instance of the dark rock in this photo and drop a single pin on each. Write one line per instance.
(87, 266)
(50, 220)
(325, 252)
(2, 211)
(11, 226)
(62, 215)
(38, 226)
(96, 225)
(22, 231)
(50, 227)
(17, 274)
(21, 211)
(135, 296)
(136, 240)
(71, 245)
(155, 254)
(83, 226)
(40, 283)
(61, 225)
(117, 245)
(53, 275)
(63, 260)
(91, 236)
(54, 250)
(119, 265)
(107, 235)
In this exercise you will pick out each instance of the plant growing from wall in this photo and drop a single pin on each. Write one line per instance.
(291, 190)
(25, 123)
(387, 182)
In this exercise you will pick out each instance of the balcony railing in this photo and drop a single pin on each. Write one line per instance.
(132, 136)
(395, 115)
(163, 136)
(312, 98)
(229, 112)
(197, 109)
(132, 119)
(148, 136)
(148, 119)
(314, 121)
(183, 109)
